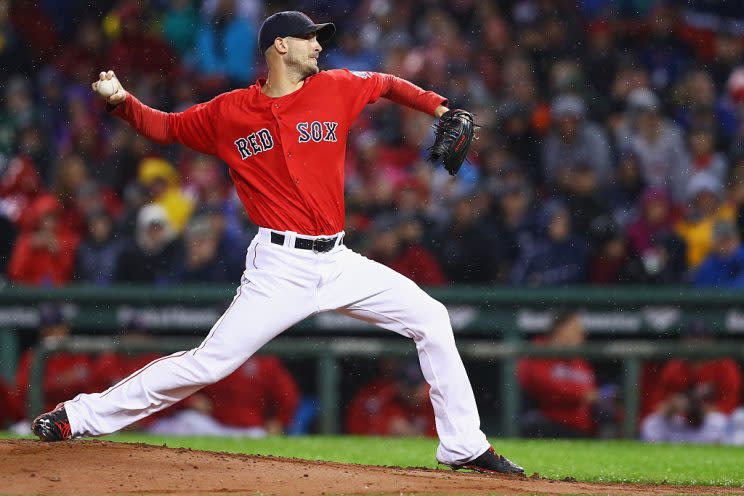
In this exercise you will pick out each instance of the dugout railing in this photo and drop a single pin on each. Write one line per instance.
(328, 352)
(490, 324)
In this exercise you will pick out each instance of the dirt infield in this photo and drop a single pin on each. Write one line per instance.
(102, 467)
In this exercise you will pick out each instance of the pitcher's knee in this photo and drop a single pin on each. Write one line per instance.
(437, 321)
(209, 369)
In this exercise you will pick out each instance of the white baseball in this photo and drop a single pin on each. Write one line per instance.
(107, 87)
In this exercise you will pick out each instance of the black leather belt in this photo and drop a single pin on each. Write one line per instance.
(318, 245)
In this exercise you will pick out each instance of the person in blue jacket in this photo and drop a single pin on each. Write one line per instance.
(558, 257)
(724, 267)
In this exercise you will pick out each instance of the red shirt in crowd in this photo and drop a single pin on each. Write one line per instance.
(286, 154)
(559, 389)
(416, 263)
(65, 376)
(111, 368)
(40, 265)
(722, 375)
(260, 390)
(377, 407)
(10, 408)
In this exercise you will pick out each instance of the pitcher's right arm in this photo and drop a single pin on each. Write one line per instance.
(194, 127)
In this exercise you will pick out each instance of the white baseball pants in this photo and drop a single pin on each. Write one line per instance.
(281, 286)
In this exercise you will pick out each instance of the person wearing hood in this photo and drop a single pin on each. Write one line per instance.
(44, 253)
(657, 143)
(574, 140)
(199, 260)
(164, 185)
(149, 258)
(706, 207)
(658, 255)
(99, 251)
(558, 258)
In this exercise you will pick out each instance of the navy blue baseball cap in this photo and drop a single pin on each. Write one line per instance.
(292, 23)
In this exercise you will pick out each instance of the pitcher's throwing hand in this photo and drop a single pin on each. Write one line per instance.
(109, 87)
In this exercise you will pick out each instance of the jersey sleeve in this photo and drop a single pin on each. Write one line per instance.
(194, 127)
(358, 88)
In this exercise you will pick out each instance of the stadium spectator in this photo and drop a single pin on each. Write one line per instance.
(20, 184)
(14, 57)
(135, 50)
(562, 394)
(703, 155)
(658, 255)
(351, 54)
(148, 258)
(65, 374)
(657, 143)
(44, 253)
(664, 55)
(514, 219)
(164, 186)
(397, 407)
(98, 253)
(222, 44)
(18, 112)
(201, 260)
(610, 258)
(83, 57)
(466, 248)
(179, 23)
(572, 141)
(694, 397)
(397, 244)
(581, 194)
(706, 207)
(71, 174)
(556, 257)
(724, 266)
(260, 398)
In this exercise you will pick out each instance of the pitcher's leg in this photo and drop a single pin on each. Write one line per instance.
(253, 318)
(369, 291)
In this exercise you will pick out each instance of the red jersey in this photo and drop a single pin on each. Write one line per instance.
(65, 375)
(559, 387)
(260, 390)
(722, 375)
(376, 408)
(285, 154)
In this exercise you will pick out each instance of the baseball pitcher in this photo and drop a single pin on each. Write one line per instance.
(284, 141)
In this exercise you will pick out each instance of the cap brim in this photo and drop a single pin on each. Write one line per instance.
(323, 32)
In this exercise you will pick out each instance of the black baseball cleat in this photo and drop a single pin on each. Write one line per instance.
(52, 426)
(490, 462)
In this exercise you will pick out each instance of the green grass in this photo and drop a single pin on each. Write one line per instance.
(593, 461)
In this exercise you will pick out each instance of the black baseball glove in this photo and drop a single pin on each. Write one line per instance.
(454, 133)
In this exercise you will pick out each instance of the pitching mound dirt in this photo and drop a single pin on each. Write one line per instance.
(101, 467)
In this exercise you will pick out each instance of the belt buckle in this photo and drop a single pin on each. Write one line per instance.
(316, 250)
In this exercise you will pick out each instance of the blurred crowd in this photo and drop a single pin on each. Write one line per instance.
(611, 146)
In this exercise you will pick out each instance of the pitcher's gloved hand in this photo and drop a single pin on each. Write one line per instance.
(454, 133)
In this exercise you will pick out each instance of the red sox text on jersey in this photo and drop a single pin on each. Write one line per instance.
(261, 140)
(285, 154)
